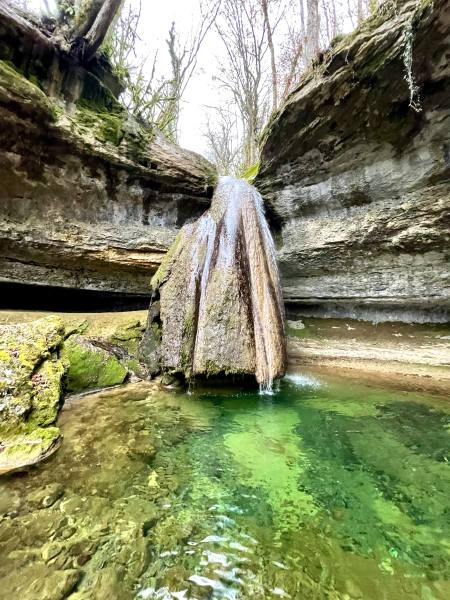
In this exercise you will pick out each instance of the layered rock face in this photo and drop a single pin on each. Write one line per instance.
(221, 309)
(89, 198)
(358, 181)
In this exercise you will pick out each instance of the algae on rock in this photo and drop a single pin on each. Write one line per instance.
(30, 391)
(90, 366)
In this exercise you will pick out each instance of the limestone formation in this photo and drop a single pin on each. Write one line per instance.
(358, 181)
(89, 198)
(43, 360)
(221, 310)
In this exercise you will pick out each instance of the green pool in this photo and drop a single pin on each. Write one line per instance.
(328, 488)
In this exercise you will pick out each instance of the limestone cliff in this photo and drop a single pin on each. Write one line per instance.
(358, 181)
(88, 198)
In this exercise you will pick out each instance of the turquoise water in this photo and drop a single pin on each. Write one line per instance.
(326, 489)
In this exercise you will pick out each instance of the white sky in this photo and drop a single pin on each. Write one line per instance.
(202, 91)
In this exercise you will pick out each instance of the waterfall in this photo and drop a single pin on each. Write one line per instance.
(221, 304)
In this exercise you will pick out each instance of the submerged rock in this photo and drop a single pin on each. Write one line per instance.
(221, 310)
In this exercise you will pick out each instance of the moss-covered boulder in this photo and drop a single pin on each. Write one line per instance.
(26, 445)
(31, 374)
(90, 366)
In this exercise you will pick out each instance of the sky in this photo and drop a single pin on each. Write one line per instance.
(202, 92)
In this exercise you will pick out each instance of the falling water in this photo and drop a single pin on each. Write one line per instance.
(221, 302)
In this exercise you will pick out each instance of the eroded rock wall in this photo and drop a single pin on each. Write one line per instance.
(358, 181)
(89, 199)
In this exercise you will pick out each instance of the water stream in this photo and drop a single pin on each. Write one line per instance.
(328, 488)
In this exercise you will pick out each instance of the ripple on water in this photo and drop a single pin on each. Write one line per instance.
(342, 492)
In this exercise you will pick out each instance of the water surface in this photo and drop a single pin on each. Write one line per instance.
(326, 489)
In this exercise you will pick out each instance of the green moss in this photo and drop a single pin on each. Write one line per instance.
(90, 367)
(26, 445)
(98, 97)
(24, 348)
(13, 81)
(337, 39)
(106, 127)
(47, 392)
(251, 172)
(161, 274)
(128, 331)
(134, 366)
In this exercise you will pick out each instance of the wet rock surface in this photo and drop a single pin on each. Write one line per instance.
(43, 360)
(358, 181)
(220, 305)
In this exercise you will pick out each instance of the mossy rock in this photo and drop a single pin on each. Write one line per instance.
(26, 446)
(128, 335)
(89, 366)
(47, 382)
(27, 382)
(15, 86)
(30, 391)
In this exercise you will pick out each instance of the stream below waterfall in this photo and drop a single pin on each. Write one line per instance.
(329, 488)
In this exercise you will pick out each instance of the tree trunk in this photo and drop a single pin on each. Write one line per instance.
(97, 33)
(360, 12)
(292, 71)
(313, 28)
(272, 54)
(9, 15)
(86, 13)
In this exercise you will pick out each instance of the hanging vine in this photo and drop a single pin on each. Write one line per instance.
(407, 54)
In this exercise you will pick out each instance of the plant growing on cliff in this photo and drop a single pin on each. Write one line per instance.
(414, 95)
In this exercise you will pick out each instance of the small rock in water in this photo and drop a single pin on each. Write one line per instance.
(51, 550)
(280, 592)
(338, 514)
(296, 324)
(203, 581)
(153, 480)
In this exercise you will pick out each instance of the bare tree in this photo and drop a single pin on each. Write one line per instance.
(273, 63)
(312, 42)
(290, 61)
(224, 142)
(184, 57)
(243, 32)
(150, 96)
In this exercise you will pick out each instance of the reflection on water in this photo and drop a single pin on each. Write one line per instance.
(323, 490)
